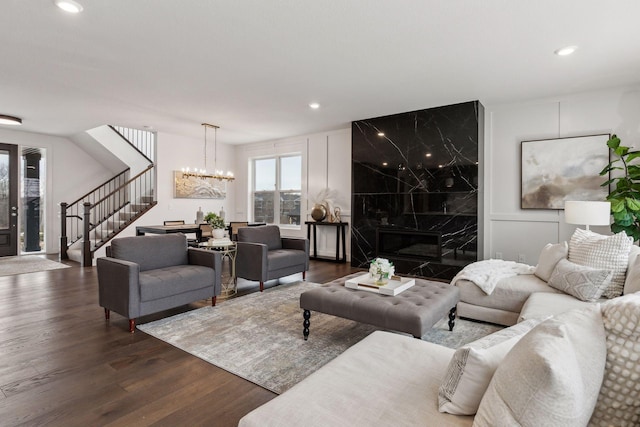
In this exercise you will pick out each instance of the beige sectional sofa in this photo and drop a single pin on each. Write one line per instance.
(394, 380)
(528, 296)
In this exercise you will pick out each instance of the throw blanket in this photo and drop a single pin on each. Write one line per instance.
(486, 274)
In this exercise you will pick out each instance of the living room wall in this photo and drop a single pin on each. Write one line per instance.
(326, 162)
(510, 230)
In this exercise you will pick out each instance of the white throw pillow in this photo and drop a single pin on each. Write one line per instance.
(606, 252)
(551, 377)
(584, 283)
(549, 257)
(619, 399)
(472, 366)
(632, 282)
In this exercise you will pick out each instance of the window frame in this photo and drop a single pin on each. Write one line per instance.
(277, 191)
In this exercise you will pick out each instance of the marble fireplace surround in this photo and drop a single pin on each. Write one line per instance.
(415, 183)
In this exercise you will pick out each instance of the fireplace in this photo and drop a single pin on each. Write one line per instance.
(408, 244)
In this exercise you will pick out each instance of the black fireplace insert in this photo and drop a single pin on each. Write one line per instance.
(408, 244)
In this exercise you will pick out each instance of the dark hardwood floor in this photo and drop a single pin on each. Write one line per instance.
(61, 364)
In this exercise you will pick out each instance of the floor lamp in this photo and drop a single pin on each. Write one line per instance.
(587, 213)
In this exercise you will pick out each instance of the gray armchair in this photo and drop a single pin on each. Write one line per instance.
(264, 255)
(146, 274)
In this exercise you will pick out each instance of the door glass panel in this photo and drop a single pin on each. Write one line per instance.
(4, 190)
(32, 217)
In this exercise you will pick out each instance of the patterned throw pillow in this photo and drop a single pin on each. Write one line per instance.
(619, 399)
(472, 366)
(584, 283)
(552, 375)
(606, 252)
(548, 259)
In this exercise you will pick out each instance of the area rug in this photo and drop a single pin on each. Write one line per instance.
(27, 264)
(259, 336)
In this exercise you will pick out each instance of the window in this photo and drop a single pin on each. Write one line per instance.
(277, 184)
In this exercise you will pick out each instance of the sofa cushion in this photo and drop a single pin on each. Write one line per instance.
(510, 293)
(284, 258)
(549, 257)
(619, 399)
(472, 366)
(542, 304)
(552, 375)
(632, 281)
(384, 380)
(163, 282)
(266, 234)
(606, 252)
(580, 281)
(151, 252)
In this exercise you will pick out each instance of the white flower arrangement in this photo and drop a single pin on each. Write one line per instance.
(381, 268)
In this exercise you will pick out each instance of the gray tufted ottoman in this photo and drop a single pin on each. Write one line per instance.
(413, 311)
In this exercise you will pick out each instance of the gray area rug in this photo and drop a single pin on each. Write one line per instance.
(259, 336)
(27, 264)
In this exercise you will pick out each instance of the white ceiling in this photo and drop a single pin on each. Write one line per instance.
(253, 66)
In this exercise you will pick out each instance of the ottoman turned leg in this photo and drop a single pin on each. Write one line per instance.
(305, 324)
(452, 318)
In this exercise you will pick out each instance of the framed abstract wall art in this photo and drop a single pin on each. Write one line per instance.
(191, 187)
(560, 169)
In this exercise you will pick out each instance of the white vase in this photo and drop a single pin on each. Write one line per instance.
(218, 233)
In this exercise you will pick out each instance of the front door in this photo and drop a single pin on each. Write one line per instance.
(8, 199)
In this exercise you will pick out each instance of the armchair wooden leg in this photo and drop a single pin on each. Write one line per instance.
(106, 314)
(132, 325)
(213, 301)
(304, 275)
(261, 286)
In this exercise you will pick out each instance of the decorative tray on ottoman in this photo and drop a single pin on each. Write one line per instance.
(393, 287)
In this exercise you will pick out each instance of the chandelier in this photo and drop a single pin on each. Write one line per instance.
(202, 173)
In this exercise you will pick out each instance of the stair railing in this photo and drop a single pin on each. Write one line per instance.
(88, 218)
(141, 140)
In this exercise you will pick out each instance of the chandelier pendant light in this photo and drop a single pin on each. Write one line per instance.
(220, 175)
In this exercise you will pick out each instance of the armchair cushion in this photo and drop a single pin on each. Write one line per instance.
(265, 234)
(167, 281)
(149, 253)
(283, 258)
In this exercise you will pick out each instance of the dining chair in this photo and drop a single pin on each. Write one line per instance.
(233, 229)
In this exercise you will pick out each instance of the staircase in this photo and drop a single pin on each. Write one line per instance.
(95, 218)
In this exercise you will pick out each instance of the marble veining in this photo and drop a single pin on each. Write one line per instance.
(418, 171)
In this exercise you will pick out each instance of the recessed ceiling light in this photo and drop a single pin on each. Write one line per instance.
(70, 6)
(564, 51)
(385, 164)
(428, 155)
(380, 133)
(10, 120)
(439, 166)
(314, 105)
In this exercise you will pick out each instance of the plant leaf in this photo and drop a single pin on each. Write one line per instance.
(617, 205)
(621, 151)
(633, 204)
(613, 142)
(633, 155)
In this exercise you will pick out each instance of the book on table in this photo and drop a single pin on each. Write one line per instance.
(393, 287)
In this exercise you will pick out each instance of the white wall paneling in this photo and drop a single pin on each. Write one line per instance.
(511, 230)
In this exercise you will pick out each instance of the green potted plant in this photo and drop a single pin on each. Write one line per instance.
(217, 223)
(625, 195)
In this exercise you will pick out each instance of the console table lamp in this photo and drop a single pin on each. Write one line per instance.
(587, 213)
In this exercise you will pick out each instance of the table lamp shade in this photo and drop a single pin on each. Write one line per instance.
(587, 213)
